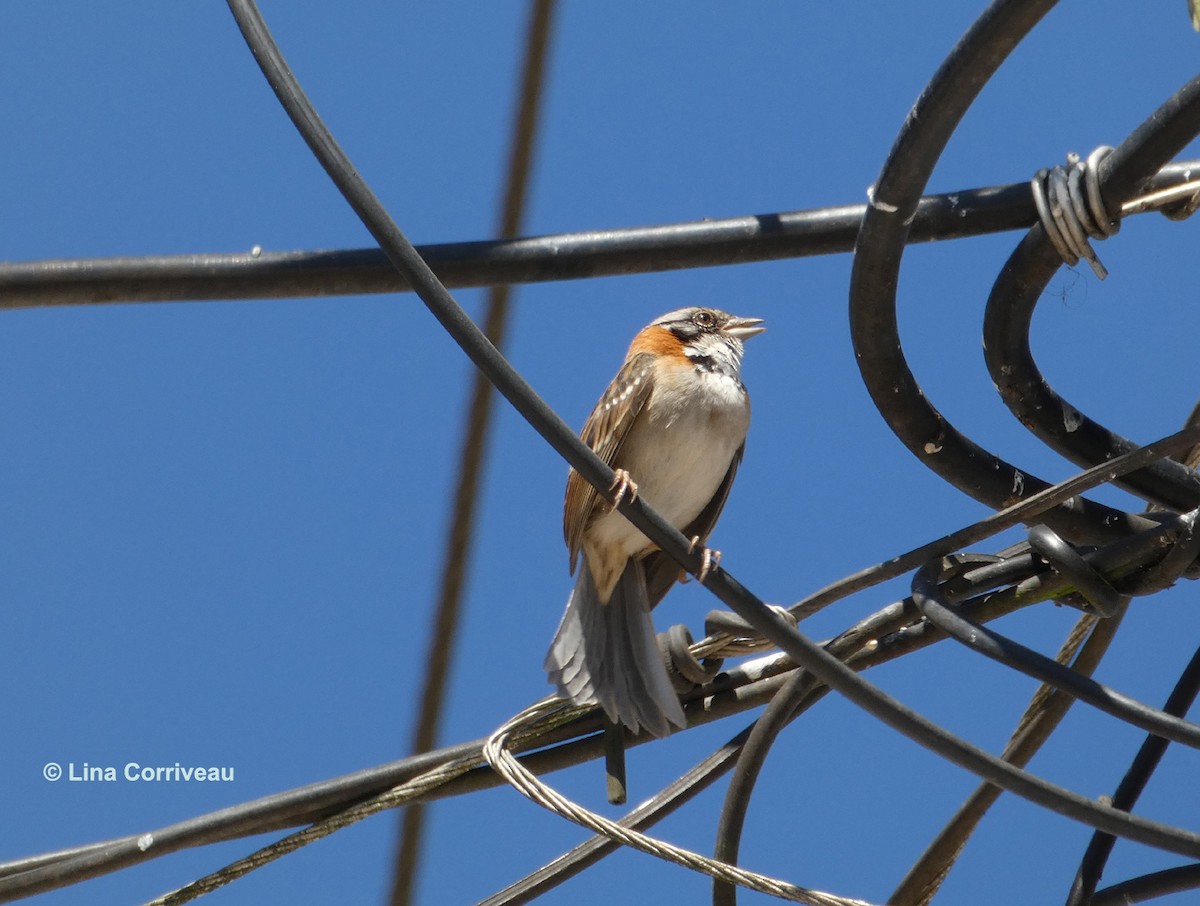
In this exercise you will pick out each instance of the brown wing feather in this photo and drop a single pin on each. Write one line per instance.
(605, 431)
(661, 571)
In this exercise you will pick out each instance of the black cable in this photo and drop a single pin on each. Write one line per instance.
(564, 256)
(1019, 287)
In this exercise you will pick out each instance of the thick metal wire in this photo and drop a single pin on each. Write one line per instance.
(677, 794)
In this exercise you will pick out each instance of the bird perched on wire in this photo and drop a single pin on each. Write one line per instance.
(672, 425)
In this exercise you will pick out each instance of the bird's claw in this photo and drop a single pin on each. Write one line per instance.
(710, 559)
(622, 485)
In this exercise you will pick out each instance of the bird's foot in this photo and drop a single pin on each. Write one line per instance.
(710, 560)
(623, 485)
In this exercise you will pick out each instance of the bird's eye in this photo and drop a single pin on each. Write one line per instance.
(703, 319)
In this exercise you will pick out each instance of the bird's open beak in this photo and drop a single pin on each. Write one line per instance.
(743, 328)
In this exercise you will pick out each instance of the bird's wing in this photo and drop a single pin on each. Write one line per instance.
(605, 431)
(662, 571)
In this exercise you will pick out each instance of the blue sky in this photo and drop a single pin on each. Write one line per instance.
(221, 523)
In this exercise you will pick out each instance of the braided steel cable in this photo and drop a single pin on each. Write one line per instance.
(498, 755)
(680, 792)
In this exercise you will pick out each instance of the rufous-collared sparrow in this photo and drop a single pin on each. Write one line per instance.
(672, 425)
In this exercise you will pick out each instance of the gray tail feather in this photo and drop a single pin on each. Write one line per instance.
(608, 654)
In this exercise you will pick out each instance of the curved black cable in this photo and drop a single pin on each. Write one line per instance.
(1019, 287)
(876, 272)
(442, 305)
(1091, 867)
(1149, 887)
(1032, 663)
(1098, 594)
(800, 689)
(762, 734)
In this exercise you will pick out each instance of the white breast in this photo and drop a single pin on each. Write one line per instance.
(678, 452)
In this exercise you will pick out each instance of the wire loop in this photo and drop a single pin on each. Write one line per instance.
(685, 669)
(1071, 208)
(498, 754)
(1105, 600)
